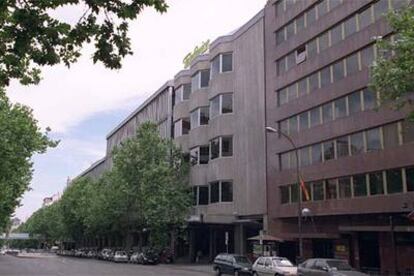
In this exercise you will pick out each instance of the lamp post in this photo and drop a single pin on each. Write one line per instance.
(273, 130)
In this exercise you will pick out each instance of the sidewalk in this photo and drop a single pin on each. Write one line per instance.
(205, 268)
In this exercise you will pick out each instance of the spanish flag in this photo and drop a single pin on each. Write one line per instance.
(305, 191)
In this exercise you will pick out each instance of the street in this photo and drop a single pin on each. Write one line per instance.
(48, 265)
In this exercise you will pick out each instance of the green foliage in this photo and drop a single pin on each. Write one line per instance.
(393, 74)
(20, 138)
(198, 50)
(31, 37)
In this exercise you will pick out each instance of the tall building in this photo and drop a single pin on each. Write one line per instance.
(357, 163)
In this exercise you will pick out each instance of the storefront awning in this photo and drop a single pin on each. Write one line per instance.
(266, 238)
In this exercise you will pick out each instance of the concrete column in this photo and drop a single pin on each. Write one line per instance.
(239, 239)
(212, 243)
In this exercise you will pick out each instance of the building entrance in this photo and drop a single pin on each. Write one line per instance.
(369, 258)
(322, 248)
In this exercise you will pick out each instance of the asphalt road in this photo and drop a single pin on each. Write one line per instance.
(51, 265)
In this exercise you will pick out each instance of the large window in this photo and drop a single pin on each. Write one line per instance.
(221, 63)
(182, 93)
(200, 79)
(221, 191)
(329, 150)
(340, 108)
(373, 139)
(316, 153)
(409, 176)
(221, 147)
(221, 104)
(344, 185)
(360, 185)
(318, 191)
(181, 127)
(376, 183)
(199, 155)
(342, 145)
(214, 192)
(331, 189)
(199, 116)
(203, 197)
(394, 181)
(357, 143)
(390, 135)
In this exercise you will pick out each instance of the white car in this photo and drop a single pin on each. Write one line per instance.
(121, 257)
(274, 266)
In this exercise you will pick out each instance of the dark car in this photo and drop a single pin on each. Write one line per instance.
(232, 264)
(148, 256)
(327, 267)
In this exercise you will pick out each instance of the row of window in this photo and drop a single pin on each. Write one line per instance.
(219, 105)
(345, 106)
(182, 93)
(383, 137)
(218, 191)
(371, 184)
(303, 20)
(339, 32)
(327, 75)
(219, 147)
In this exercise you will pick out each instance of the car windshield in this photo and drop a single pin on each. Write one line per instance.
(282, 262)
(339, 265)
(241, 260)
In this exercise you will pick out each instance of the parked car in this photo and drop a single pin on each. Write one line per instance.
(105, 254)
(120, 257)
(166, 256)
(327, 267)
(232, 264)
(273, 266)
(148, 256)
(134, 257)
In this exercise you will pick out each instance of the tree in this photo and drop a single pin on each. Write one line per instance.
(393, 74)
(31, 37)
(20, 138)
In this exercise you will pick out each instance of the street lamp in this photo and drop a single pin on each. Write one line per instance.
(273, 130)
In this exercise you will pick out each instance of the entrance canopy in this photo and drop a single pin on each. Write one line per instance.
(266, 238)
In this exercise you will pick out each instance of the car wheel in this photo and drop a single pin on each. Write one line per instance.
(236, 273)
(255, 273)
(218, 272)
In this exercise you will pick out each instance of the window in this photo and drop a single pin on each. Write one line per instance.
(329, 150)
(280, 36)
(311, 48)
(284, 194)
(318, 193)
(203, 195)
(310, 16)
(357, 143)
(226, 103)
(280, 7)
(226, 191)
(195, 82)
(294, 193)
(308, 189)
(352, 65)
(304, 157)
(194, 156)
(390, 135)
(340, 108)
(342, 146)
(204, 115)
(394, 181)
(334, 3)
(283, 126)
(315, 117)
(350, 26)
(194, 118)
(292, 92)
(370, 99)
(380, 8)
(300, 23)
(195, 195)
(373, 139)
(226, 146)
(181, 127)
(304, 121)
(323, 42)
(322, 8)
(293, 124)
(409, 176)
(290, 30)
(205, 78)
(302, 87)
(354, 102)
(215, 66)
(407, 131)
(313, 81)
(182, 93)
(215, 106)
(336, 34)
(360, 185)
(344, 185)
(367, 56)
(365, 18)
(214, 192)
(291, 60)
(282, 96)
(215, 148)
(316, 153)
(331, 189)
(204, 154)
(338, 71)
(325, 76)
(327, 112)
(227, 62)
(281, 66)
(376, 183)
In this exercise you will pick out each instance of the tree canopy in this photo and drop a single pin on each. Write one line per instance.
(393, 74)
(31, 37)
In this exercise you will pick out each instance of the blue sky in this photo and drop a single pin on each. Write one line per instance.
(83, 103)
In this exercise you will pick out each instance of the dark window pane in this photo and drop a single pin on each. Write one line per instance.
(407, 131)
(282, 96)
(310, 16)
(322, 8)
(357, 143)
(331, 189)
(205, 78)
(340, 108)
(336, 34)
(313, 82)
(215, 66)
(352, 64)
(294, 193)
(325, 76)
(315, 117)
(226, 146)
(394, 181)
(194, 119)
(303, 87)
(227, 103)
(367, 56)
(365, 18)
(338, 71)
(281, 66)
(370, 99)
(342, 146)
(214, 192)
(318, 193)
(290, 30)
(195, 194)
(350, 26)
(409, 175)
(204, 115)
(186, 91)
(300, 23)
(227, 62)
(280, 7)
(380, 8)
(291, 60)
(373, 139)
(329, 150)
(323, 42)
(354, 102)
(203, 195)
(311, 48)
(284, 194)
(293, 124)
(316, 153)
(304, 157)
(204, 154)
(195, 82)
(280, 36)
(292, 92)
(376, 183)
(214, 148)
(186, 126)
(390, 135)
(344, 185)
(194, 156)
(327, 112)
(215, 106)
(304, 121)
(360, 185)
(226, 191)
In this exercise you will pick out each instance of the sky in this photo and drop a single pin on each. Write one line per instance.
(84, 103)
